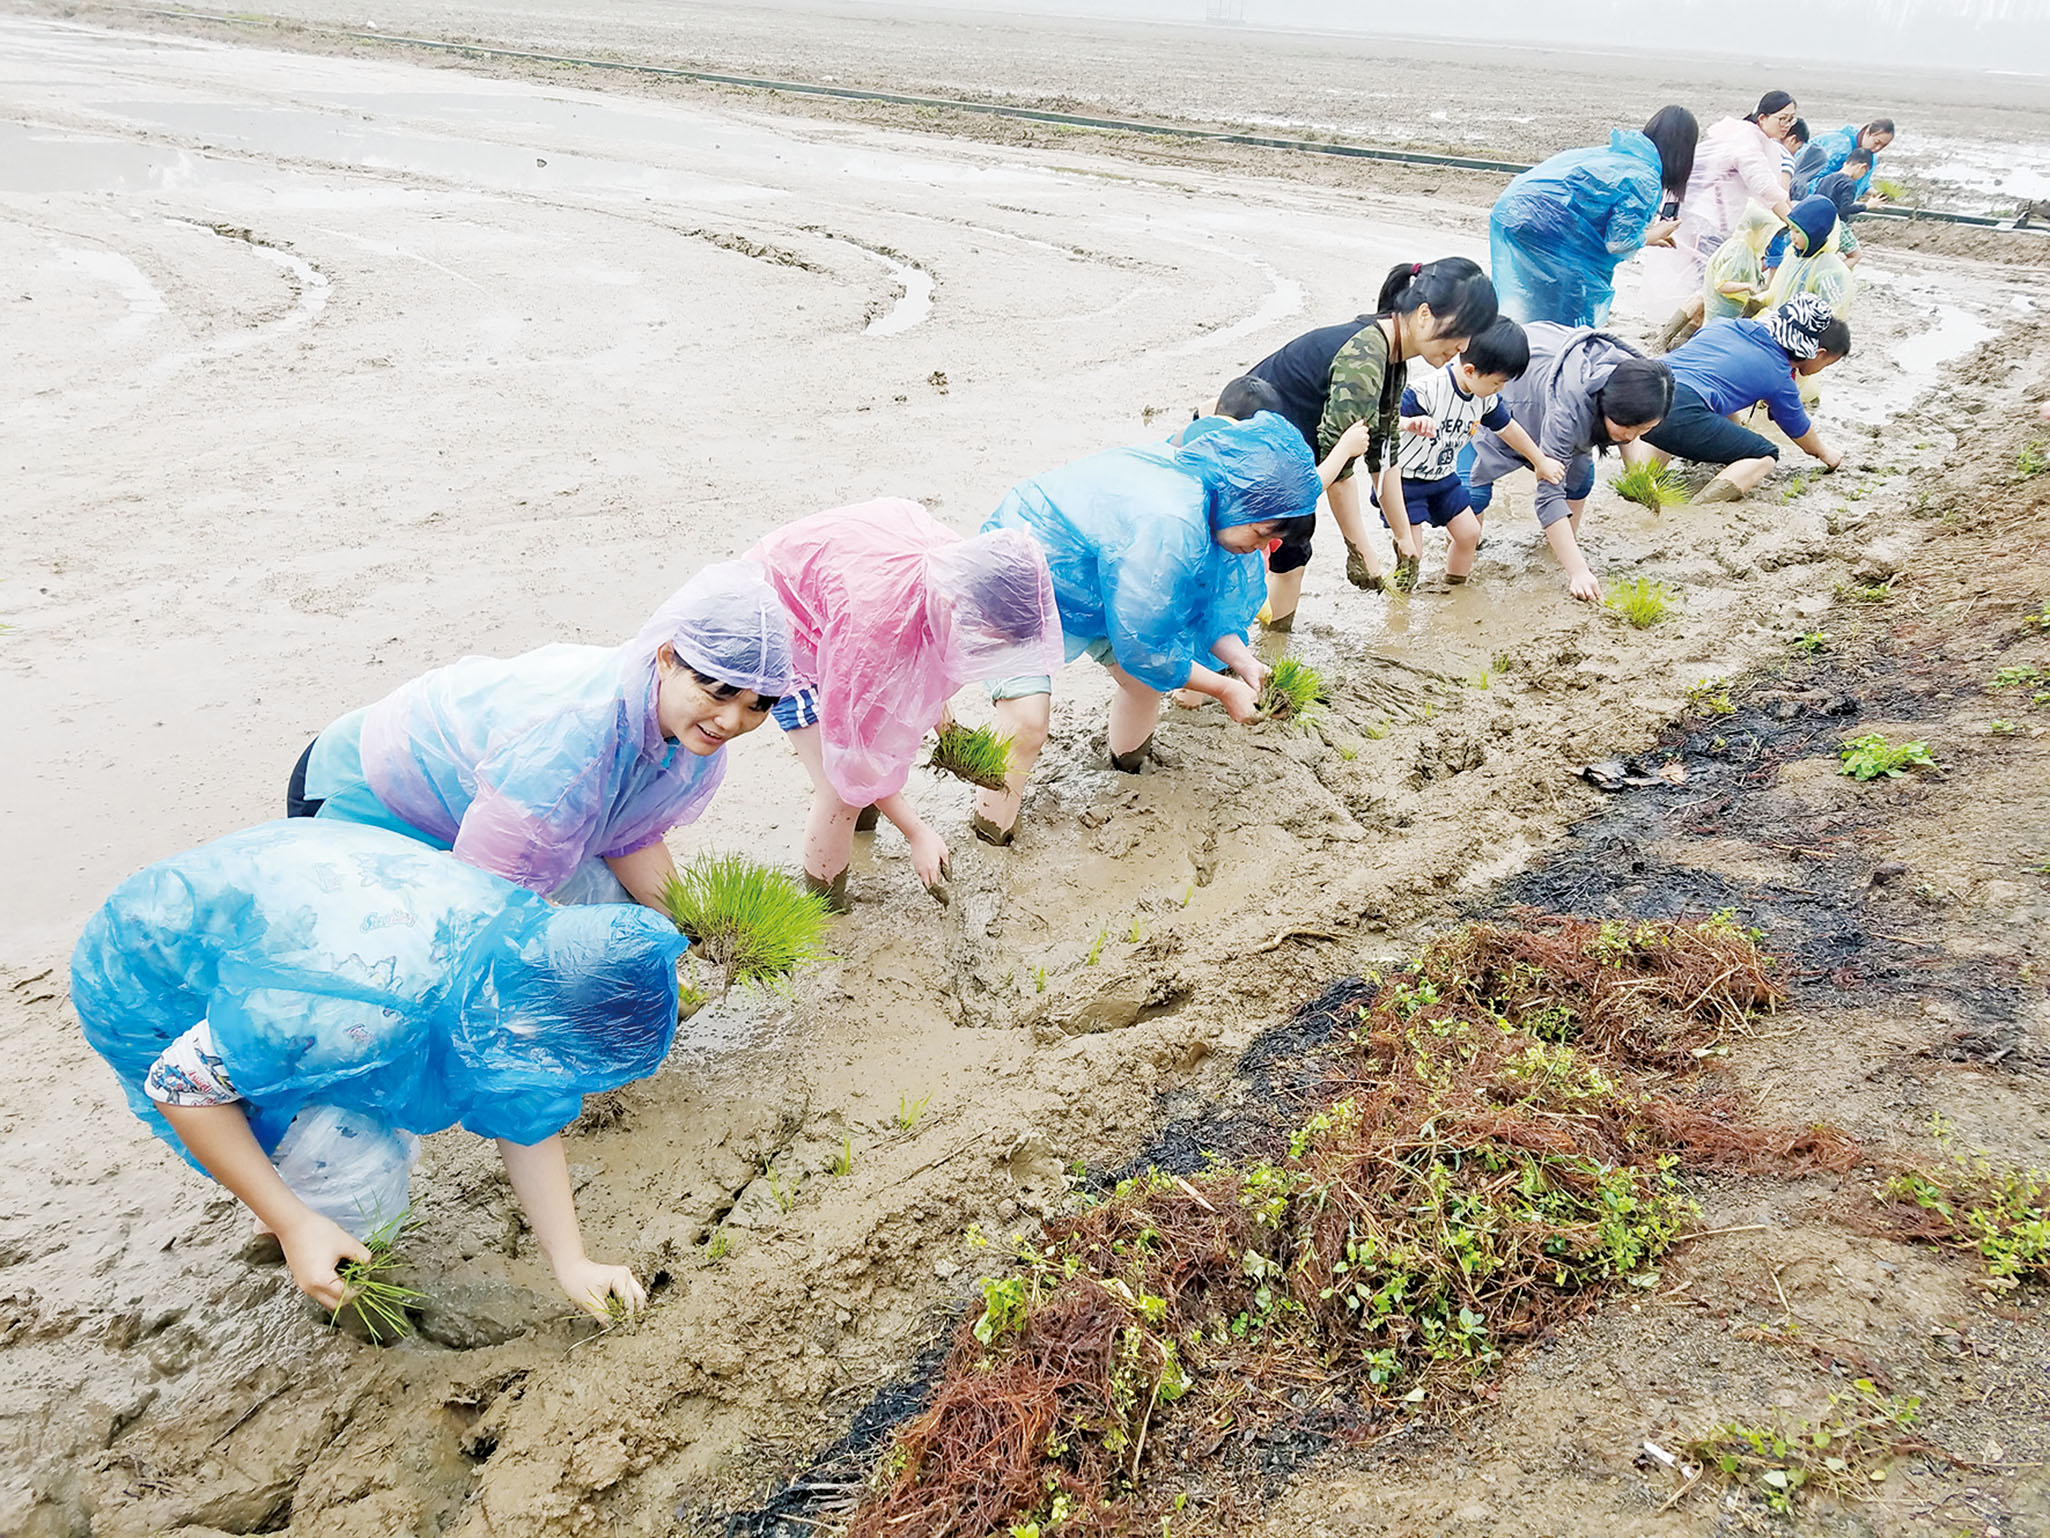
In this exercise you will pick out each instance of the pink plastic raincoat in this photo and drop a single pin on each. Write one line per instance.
(890, 614)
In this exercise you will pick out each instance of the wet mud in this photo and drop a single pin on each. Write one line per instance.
(1088, 988)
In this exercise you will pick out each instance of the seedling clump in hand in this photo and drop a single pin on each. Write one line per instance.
(976, 754)
(1642, 602)
(1653, 486)
(1872, 757)
(1294, 692)
(753, 921)
(378, 1302)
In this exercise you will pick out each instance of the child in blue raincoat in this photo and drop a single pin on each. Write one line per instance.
(317, 982)
(561, 770)
(1559, 231)
(1155, 553)
(1827, 152)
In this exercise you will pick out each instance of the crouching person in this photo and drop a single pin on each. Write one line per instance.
(311, 980)
(1156, 559)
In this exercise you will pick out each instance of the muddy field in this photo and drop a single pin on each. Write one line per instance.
(325, 365)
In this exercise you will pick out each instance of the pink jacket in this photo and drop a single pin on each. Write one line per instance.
(1735, 163)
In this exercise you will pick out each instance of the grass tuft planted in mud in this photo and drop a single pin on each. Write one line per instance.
(1654, 486)
(1497, 1143)
(752, 921)
(977, 754)
(1641, 601)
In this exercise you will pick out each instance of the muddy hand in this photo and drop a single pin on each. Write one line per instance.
(589, 1285)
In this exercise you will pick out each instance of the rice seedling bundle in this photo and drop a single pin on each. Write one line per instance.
(976, 754)
(1294, 692)
(750, 919)
(1651, 486)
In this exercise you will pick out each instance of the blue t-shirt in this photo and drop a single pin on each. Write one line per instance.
(1733, 365)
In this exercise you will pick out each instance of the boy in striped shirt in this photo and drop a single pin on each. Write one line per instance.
(1440, 415)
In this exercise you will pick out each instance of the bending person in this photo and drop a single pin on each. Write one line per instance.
(1584, 392)
(1337, 376)
(1558, 232)
(1828, 152)
(1155, 558)
(561, 770)
(891, 614)
(1732, 365)
(314, 993)
(1738, 161)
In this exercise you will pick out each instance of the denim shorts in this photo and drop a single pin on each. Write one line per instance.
(1027, 684)
(794, 712)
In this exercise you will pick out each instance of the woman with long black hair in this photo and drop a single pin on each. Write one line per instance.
(1336, 376)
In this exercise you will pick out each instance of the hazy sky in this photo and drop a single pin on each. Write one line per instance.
(2007, 35)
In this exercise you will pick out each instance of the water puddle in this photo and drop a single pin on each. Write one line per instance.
(1918, 358)
(913, 305)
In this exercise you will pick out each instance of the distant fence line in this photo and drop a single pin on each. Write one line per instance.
(961, 104)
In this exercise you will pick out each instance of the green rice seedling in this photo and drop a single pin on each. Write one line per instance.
(1865, 592)
(1039, 980)
(976, 754)
(843, 1161)
(717, 1248)
(1294, 692)
(911, 1112)
(784, 1196)
(1892, 190)
(1648, 485)
(754, 922)
(1096, 948)
(1502, 662)
(378, 1302)
(1136, 933)
(1872, 757)
(1641, 601)
(1815, 641)
(1188, 892)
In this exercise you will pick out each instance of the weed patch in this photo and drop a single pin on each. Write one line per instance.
(1845, 1451)
(2001, 1215)
(1499, 1142)
(1872, 757)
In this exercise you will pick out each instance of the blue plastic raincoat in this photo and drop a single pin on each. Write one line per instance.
(1128, 536)
(350, 966)
(1824, 153)
(531, 767)
(1558, 231)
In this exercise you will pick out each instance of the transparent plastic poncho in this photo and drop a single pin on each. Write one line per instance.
(1740, 260)
(1822, 272)
(1129, 536)
(348, 966)
(890, 614)
(530, 767)
(1558, 231)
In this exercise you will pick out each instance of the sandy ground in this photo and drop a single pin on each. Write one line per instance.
(325, 367)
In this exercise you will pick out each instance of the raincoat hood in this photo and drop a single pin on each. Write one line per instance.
(1757, 225)
(890, 614)
(725, 623)
(1816, 219)
(1254, 472)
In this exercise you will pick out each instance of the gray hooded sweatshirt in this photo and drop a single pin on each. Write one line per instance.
(1555, 403)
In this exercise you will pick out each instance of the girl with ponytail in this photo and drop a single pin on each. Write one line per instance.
(1335, 378)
